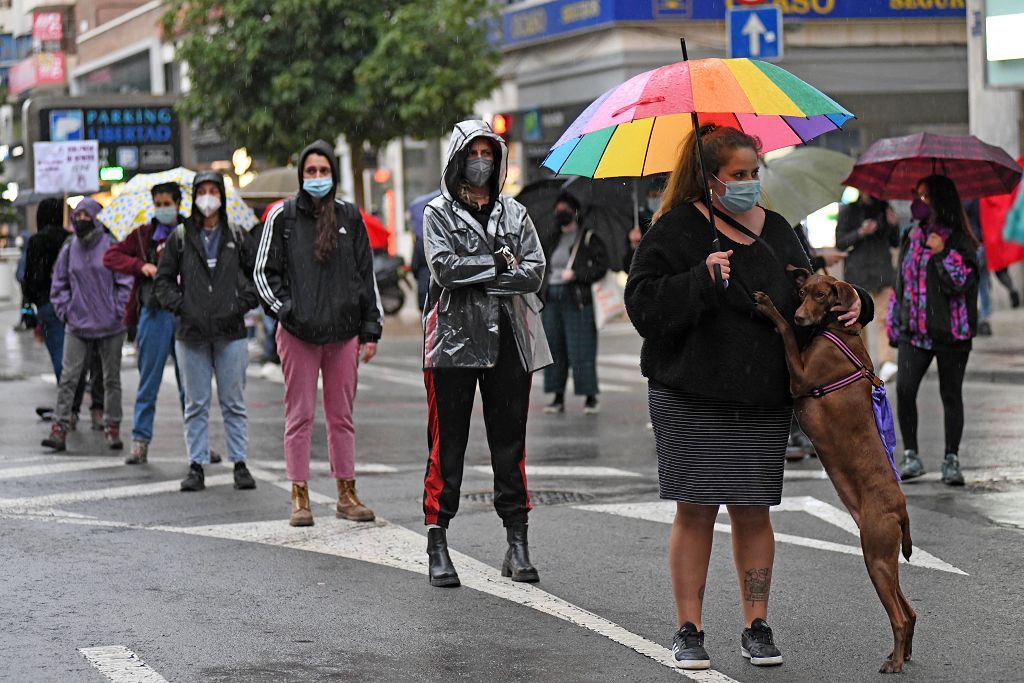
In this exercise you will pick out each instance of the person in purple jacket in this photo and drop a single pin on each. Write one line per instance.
(90, 300)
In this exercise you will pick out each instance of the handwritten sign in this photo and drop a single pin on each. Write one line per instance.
(67, 167)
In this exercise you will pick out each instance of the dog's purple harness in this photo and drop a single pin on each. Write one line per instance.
(879, 403)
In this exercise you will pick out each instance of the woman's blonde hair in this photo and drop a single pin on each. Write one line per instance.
(686, 184)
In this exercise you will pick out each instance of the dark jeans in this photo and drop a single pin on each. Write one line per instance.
(913, 362)
(52, 330)
(572, 337)
(505, 390)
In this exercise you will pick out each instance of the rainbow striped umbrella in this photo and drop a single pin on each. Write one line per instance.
(635, 128)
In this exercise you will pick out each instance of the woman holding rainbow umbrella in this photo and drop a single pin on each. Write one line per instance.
(718, 383)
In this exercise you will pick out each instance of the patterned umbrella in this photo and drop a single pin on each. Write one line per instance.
(134, 206)
(635, 128)
(890, 168)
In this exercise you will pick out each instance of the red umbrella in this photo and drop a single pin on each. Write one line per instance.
(890, 168)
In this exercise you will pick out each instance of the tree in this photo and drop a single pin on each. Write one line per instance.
(277, 74)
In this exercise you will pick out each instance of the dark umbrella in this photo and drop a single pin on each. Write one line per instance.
(609, 206)
(890, 168)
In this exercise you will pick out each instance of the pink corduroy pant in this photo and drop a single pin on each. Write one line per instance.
(302, 363)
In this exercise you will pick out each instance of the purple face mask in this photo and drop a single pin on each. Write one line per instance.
(920, 210)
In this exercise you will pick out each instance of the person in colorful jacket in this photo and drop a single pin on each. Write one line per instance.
(90, 301)
(138, 255)
(933, 313)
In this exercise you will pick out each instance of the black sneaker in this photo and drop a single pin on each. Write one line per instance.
(196, 480)
(688, 648)
(984, 330)
(756, 644)
(214, 457)
(557, 405)
(591, 406)
(243, 480)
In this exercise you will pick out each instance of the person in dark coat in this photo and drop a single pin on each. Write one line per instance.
(137, 255)
(719, 386)
(40, 257)
(868, 231)
(576, 258)
(204, 278)
(314, 272)
(934, 314)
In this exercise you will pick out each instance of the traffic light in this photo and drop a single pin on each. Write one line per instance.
(501, 123)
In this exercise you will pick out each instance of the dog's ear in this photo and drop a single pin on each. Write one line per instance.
(845, 294)
(798, 274)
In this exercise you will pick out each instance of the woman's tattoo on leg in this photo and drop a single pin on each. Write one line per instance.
(756, 585)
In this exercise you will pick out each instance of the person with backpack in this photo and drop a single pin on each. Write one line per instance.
(204, 278)
(90, 301)
(314, 273)
(137, 256)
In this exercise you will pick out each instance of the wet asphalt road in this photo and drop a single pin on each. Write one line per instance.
(215, 586)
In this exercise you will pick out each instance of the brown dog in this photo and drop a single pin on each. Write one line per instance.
(842, 428)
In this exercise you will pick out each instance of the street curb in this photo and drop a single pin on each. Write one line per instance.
(994, 376)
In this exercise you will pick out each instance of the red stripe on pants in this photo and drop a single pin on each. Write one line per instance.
(434, 482)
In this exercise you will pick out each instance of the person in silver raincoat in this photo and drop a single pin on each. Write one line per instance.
(481, 326)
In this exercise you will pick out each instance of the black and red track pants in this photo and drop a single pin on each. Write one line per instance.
(505, 390)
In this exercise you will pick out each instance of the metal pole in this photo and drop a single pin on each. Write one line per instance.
(716, 245)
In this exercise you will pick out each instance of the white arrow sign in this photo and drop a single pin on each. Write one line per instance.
(753, 30)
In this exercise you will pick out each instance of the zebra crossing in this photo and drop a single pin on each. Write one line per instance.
(383, 543)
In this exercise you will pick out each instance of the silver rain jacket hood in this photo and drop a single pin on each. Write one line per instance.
(461, 324)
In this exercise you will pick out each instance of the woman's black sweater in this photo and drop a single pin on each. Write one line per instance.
(704, 340)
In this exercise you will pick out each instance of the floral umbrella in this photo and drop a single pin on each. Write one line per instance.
(134, 206)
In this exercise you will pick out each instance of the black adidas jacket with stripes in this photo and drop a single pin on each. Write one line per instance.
(320, 303)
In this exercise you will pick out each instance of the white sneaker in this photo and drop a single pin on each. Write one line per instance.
(887, 371)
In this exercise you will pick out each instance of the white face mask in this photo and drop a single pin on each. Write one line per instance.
(208, 204)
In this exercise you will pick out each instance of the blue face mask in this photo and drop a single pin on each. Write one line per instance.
(317, 187)
(166, 215)
(740, 195)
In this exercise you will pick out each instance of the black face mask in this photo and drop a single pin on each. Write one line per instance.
(84, 227)
(564, 218)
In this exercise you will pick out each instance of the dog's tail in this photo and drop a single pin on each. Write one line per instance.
(908, 545)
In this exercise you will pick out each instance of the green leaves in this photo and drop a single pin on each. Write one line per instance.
(276, 74)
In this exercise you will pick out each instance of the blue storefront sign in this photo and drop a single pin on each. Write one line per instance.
(135, 138)
(559, 17)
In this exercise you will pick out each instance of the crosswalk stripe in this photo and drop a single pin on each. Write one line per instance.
(566, 471)
(394, 546)
(132, 491)
(120, 664)
(56, 468)
(664, 512)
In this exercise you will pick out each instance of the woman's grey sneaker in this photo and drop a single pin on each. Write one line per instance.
(911, 466)
(688, 648)
(757, 645)
(951, 474)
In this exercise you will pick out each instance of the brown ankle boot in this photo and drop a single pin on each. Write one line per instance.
(301, 514)
(349, 505)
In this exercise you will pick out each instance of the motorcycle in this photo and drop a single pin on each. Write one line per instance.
(390, 272)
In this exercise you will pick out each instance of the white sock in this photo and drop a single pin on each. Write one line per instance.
(433, 526)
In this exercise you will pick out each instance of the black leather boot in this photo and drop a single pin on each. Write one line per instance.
(517, 557)
(442, 571)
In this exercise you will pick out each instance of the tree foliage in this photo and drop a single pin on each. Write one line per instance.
(275, 75)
